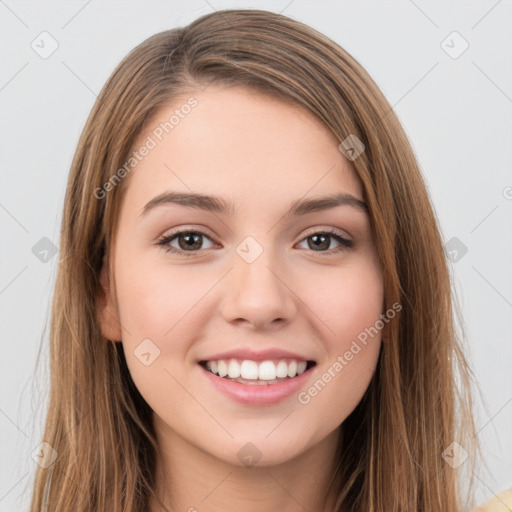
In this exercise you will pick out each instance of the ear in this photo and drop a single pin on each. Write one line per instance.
(108, 316)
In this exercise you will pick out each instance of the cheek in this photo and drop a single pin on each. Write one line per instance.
(348, 300)
(163, 310)
(154, 299)
(158, 308)
(349, 312)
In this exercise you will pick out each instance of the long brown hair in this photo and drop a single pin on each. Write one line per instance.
(418, 402)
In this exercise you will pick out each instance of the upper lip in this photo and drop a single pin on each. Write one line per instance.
(256, 355)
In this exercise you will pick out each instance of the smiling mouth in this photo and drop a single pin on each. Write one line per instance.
(257, 373)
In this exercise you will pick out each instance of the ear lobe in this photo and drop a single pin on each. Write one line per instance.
(108, 316)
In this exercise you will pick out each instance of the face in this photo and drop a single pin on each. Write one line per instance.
(257, 278)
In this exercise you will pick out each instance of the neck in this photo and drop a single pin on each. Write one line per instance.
(190, 479)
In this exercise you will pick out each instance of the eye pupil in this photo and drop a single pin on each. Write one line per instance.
(191, 239)
(321, 244)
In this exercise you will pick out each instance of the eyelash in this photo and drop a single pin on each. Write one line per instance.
(166, 239)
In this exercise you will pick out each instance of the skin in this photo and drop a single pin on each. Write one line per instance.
(261, 154)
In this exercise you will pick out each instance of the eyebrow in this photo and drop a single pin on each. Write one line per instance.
(221, 206)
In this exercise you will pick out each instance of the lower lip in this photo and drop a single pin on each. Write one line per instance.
(258, 394)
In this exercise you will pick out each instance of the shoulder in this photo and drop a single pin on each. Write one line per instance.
(501, 502)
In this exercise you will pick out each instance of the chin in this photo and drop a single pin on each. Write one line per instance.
(260, 451)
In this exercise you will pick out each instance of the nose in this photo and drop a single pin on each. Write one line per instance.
(258, 294)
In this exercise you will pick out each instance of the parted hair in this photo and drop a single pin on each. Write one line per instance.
(418, 402)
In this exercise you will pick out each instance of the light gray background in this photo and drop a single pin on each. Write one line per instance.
(456, 111)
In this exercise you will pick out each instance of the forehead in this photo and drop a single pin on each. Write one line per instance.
(250, 149)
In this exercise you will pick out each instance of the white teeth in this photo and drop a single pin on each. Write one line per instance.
(249, 370)
(292, 369)
(222, 368)
(281, 370)
(252, 370)
(233, 369)
(267, 370)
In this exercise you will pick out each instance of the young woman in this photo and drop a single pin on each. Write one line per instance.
(253, 308)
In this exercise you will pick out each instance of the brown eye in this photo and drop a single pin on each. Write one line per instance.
(321, 241)
(188, 241)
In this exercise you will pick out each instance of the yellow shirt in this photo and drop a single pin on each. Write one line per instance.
(501, 502)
